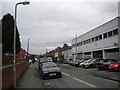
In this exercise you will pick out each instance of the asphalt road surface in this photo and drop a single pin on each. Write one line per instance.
(72, 77)
(76, 77)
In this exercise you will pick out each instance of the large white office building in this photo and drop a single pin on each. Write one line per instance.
(100, 42)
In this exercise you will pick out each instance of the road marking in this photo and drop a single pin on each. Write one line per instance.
(84, 82)
(65, 74)
(111, 81)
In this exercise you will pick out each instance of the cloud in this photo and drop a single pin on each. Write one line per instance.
(52, 23)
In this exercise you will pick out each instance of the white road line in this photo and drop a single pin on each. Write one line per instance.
(111, 81)
(84, 82)
(65, 74)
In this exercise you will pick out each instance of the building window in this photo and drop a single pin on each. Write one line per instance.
(93, 39)
(89, 40)
(84, 42)
(96, 38)
(110, 33)
(80, 43)
(105, 35)
(115, 32)
(100, 37)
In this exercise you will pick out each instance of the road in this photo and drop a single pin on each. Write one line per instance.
(75, 77)
(72, 77)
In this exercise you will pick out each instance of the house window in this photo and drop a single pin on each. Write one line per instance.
(110, 33)
(115, 32)
(105, 35)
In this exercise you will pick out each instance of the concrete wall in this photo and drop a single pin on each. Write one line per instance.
(98, 45)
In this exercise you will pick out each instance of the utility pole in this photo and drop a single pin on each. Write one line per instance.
(119, 38)
(76, 46)
(27, 47)
(46, 50)
(119, 29)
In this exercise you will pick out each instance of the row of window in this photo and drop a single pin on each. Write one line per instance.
(99, 37)
(110, 33)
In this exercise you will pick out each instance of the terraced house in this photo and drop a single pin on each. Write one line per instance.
(99, 42)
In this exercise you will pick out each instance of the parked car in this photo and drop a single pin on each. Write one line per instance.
(49, 69)
(71, 62)
(115, 66)
(104, 65)
(77, 62)
(66, 61)
(92, 63)
(85, 61)
(48, 59)
(30, 61)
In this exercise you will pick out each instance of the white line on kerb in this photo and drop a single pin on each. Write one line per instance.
(65, 74)
(84, 82)
(111, 81)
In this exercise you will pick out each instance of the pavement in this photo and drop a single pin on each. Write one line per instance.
(30, 78)
(111, 75)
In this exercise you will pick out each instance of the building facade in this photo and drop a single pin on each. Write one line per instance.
(101, 42)
(68, 53)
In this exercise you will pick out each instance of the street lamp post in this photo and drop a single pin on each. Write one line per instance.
(14, 68)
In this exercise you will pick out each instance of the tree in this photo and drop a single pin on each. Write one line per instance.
(8, 35)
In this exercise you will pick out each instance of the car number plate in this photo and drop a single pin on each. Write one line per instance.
(53, 74)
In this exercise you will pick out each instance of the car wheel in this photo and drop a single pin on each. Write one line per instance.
(91, 66)
(106, 68)
(99, 69)
(60, 75)
(42, 77)
(118, 68)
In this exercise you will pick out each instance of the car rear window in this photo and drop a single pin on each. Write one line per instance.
(48, 65)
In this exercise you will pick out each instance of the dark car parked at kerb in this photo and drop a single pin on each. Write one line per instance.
(104, 65)
(42, 60)
(49, 70)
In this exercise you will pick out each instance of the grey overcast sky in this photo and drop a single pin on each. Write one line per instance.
(51, 23)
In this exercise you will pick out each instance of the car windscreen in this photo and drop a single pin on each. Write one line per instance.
(48, 65)
(88, 60)
(92, 61)
(112, 61)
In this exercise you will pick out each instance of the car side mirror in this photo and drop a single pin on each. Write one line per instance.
(58, 65)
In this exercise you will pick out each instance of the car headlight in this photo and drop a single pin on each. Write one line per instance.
(116, 65)
(45, 72)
